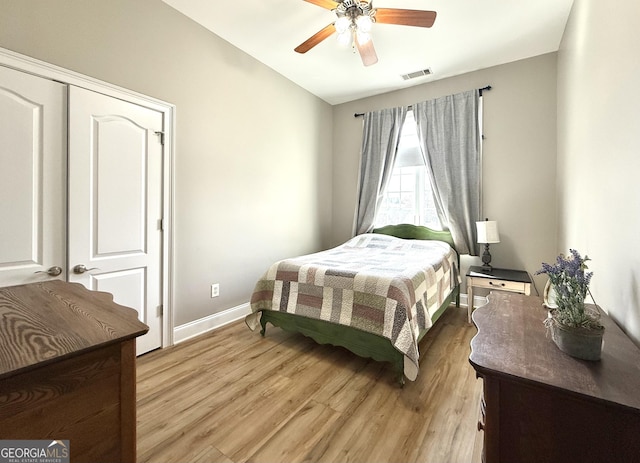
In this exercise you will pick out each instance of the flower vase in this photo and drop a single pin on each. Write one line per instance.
(582, 343)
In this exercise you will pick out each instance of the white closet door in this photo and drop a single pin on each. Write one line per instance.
(33, 136)
(115, 204)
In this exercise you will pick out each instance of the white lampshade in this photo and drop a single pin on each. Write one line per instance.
(364, 23)
(488, 231)
(342, 24)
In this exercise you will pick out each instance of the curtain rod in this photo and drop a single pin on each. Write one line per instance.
(487, 88)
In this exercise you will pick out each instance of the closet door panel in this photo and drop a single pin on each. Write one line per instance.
(115, 204)
(32, 178)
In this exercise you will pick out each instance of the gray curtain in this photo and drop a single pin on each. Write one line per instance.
(450, 140)
(380, 138)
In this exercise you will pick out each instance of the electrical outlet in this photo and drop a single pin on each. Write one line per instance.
(215, 290)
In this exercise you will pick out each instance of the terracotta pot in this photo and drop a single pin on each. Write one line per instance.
(582, 343)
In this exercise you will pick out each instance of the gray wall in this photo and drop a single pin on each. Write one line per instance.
(599, 151)
(255, 176)
(519, 156)
(253, 158)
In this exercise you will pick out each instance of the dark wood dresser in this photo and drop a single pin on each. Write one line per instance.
(541, 405)
(67, 369)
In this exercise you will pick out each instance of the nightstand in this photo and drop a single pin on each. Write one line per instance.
(503, 279)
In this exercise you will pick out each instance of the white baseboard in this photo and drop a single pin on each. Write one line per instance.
(211, 322)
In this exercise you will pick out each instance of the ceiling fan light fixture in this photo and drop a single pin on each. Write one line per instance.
(364, 23)
(354, 20)
(344, 38)
(342, 24)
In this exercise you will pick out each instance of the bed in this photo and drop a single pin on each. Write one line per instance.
(375, 295)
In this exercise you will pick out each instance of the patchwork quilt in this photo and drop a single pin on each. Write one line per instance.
(376, 283)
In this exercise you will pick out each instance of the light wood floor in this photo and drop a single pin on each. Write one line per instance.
(233, 396)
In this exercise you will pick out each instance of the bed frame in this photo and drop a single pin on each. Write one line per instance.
(360, 342)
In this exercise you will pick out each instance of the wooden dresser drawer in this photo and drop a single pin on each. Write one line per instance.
(478, 445)
(515, 286)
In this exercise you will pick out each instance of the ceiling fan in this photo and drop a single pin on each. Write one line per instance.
(353, 24)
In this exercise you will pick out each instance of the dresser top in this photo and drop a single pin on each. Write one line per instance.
(512, 342)
(41, 323)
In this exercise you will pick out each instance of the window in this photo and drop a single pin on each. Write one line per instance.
(408, 197)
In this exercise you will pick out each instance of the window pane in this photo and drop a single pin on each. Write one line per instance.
(394, 183)
(407, 180)
(408, 198)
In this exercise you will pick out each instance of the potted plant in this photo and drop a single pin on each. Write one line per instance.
(575, 327)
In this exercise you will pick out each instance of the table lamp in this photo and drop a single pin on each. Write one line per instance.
(487, 233)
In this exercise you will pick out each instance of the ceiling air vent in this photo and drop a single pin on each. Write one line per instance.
(413, 75)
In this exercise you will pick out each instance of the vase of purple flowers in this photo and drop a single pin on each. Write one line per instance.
(574, 325)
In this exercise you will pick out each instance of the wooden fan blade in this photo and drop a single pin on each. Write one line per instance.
(417, 18)
(367, 52)
(315, 39)
(328, 4)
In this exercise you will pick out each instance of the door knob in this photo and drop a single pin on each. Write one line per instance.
(53, 271)
(81, 268)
